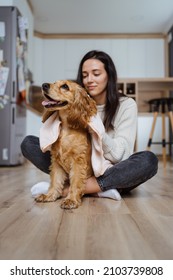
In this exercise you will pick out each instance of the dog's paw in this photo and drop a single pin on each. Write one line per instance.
(47, 198)
(69, 204)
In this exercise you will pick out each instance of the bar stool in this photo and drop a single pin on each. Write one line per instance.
(163, 106)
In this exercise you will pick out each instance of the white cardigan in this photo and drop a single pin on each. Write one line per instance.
(118, 143)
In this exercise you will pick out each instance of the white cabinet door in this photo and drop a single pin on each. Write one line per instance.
(53, 60)
(155, 58)
(102, 45)
(139, 58)
(75, 49)
(119, 55)
(136, 58)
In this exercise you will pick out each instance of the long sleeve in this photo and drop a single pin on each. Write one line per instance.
(118, 144)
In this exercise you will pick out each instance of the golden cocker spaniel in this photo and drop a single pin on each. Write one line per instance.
(71, 153)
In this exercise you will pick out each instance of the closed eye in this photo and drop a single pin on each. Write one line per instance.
(65, 86)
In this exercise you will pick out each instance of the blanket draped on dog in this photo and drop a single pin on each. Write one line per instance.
(50, 130)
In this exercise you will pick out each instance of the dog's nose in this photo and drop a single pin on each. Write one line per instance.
(45, 87)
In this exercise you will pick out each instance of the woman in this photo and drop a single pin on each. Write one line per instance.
(97, 74)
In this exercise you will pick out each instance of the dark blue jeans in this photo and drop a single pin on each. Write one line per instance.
(124, 176)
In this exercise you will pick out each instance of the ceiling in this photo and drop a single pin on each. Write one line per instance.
(102, 16)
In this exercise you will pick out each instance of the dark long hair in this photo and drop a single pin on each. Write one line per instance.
(112, 97)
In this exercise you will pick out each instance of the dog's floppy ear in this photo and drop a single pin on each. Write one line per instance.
(46, 115)
(83, 108)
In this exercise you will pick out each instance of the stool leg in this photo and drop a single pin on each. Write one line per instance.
(152, 130)
(171, 119)
(163, 140)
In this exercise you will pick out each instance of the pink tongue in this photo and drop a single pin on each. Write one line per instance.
(44, 103)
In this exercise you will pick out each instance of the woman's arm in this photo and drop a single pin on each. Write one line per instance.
(119, 144)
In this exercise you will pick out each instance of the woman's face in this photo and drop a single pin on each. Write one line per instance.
(95, 79)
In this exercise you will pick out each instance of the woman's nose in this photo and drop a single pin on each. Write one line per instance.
(90, 78)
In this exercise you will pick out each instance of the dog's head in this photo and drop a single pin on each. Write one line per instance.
(69, 96)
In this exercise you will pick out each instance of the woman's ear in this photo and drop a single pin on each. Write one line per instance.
(82, 109)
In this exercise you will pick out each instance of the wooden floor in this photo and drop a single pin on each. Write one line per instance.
(140, 226)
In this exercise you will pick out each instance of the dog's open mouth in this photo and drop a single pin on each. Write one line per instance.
(49, 102)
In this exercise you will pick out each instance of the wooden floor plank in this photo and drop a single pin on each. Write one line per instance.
(139, 226)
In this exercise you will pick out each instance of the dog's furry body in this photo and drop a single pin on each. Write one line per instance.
(71, 153)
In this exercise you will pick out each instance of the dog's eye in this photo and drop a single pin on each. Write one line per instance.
(65, 86)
